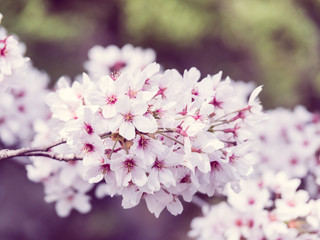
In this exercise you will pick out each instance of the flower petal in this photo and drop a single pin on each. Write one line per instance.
(127, 130)
(145, 124)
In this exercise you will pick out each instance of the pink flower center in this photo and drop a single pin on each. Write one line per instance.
(251, 201)
(294, 161)
(21, 108)
(184, 111)
(291, 203)
(88, 148)
(88, 128)
(117, 66)
(143, 143)
(251, 223)
(161, 92)
(132, 94)
(3, 48)
(158, 164)
(128, 117)
(105, 168)
(129, 164)
(233, 158)
(216, 103)
(70, 198)
(186, 179)
(112, 99)
(215, 165)
(239, 222)
(197, 116)
(114, 75)
(18, 93)
(194, 92)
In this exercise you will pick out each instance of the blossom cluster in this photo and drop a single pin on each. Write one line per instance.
(144, 133)
(20, 82)
(269, 207)
(129, 128)
(281, 201)
(291, 142)
(11, 55)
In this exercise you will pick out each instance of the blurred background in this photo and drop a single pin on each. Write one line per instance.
(271, 42)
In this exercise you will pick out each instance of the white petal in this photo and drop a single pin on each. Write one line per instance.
(106, 84)
(139, 177)
(91, 159)
(127, 130)
(63, 208)
(166, 178)
(68, 175)
(123, 105)
(85, 77)
(153, 205)
(109, 111)
(204, 165)
(175, 207)
(145, 124)
(254, 95)
(81, 203)
(126, 179)
(153, 180)
(139, 108)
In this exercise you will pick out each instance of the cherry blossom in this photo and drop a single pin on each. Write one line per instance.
(260, 212)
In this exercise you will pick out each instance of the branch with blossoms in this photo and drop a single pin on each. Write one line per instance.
(152, 152)
(135, 130)
(32, 151)
(281, 199)
(147, 140)
(43, 151)
(131, 129)
(46, 151)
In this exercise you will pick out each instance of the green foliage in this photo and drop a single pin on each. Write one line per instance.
(282, 40)
(278, 35)
(175, 21)
(32, 19)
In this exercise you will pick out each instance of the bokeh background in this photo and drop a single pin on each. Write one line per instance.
(271, 42)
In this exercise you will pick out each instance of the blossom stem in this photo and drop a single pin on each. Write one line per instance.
(228, 114)
(114, 145)
(177, 141)
(55, 156)
(105, 135)
(218, 124)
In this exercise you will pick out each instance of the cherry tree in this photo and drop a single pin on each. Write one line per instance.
(132, 129)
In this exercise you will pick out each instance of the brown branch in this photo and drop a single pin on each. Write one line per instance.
(7, 153)
(55, 156)
(37, 152)
(44, 151)
(171, 138)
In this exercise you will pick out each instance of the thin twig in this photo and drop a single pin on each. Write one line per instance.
(114, 145)
(55, 156)
(43, 151)
(171, 138)
(7, 153)
(228, 114)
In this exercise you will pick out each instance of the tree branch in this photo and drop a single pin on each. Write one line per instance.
(55, 156)
(7, 153)
(44, 151)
